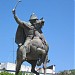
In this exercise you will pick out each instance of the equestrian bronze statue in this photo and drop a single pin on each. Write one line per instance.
(32, 46)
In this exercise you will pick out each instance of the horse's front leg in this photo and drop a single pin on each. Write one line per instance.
(33, 67)
(18, 61)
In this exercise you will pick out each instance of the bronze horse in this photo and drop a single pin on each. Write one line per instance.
(32, 57)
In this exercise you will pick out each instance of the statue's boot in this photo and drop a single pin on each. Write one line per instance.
(41, 51)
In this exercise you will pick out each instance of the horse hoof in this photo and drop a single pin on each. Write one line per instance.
(37, 74)
(34, 72)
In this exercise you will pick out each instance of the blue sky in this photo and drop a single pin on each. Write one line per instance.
(58, 29)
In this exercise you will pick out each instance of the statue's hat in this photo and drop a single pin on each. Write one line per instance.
(33, 17)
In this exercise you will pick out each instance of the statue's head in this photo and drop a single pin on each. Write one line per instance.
(33, 17)
(35, 21)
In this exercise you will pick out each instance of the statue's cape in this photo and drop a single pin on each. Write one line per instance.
(20, 35)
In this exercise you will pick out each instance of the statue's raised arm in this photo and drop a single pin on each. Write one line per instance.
(20, 22)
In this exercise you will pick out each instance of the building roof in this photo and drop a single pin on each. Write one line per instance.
(50, 67)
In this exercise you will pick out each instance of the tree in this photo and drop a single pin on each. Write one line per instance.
(5, 73)
(67, 72)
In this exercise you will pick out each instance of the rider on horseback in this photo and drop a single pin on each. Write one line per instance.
(26, 32)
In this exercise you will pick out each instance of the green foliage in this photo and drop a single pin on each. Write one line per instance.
(5, 73)
(67, 72)
(72, 72)
(20, 73)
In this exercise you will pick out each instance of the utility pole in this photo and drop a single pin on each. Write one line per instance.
(13, 50)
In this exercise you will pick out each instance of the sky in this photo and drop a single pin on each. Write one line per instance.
(58, 29)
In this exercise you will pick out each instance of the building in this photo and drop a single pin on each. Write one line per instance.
(50, 69)
(11, 68)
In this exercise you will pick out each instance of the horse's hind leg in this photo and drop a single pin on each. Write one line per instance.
(44, 64)
(18, 61)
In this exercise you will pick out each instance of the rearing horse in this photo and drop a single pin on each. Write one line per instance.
(32, 56)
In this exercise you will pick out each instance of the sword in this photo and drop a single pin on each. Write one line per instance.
(17, 4)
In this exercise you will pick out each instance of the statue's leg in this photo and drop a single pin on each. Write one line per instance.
(18, 61)
(23, 50)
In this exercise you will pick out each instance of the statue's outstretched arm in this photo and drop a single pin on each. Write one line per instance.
(21, 23)
(16, 18)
